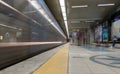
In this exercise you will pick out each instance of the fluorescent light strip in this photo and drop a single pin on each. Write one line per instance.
(63, 9)
(75, 21)
(65, 18)
(62, 3)
(66, 25)
(64, 14)
(81, 6)
(89, 21)
(39, 8)
(1, 37)
(111, 4)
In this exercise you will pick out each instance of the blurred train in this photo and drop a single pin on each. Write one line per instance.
(24, 27)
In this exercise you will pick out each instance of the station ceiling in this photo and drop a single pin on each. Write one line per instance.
(82, 17)
(79, 17)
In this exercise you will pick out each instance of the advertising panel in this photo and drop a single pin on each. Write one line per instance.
(105, 33)
(98, 33)
(115, 26)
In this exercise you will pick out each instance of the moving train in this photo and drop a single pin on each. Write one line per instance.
(27, 28)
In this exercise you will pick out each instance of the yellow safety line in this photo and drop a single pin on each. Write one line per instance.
(58, 64)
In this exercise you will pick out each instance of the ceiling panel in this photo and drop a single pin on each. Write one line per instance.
(92, 12)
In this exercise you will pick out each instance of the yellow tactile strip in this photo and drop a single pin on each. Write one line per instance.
(58, 64)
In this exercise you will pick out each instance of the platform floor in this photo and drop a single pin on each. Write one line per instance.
(70, 59)
(94, 60)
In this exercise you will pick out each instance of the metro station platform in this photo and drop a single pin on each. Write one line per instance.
(70, 59)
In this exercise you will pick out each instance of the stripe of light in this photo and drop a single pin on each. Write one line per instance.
(89, 21)
(35, 4)
(81, 6)
(10, 27)
(110, 4)
(66, 25)
(28, 43)
(65, 18)
(63, 9)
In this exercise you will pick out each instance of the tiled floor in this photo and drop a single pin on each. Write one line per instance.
(93, 60)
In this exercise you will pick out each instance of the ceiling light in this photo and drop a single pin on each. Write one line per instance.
(1, 37)
(89, 21)
(66, 25)
(81, 6)
(65, 18)
(63, 9)
(62, 2)
(111, 4)
(20, 29)
(64, 14)
(75, 21)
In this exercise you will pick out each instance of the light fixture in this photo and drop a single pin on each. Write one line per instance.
(1, 37)
(66, 25)
(81, 6)
(110, 4)
(63, 9)
(65, 18)
(20, 29)
(64, 14)
(89, 21)
(75, 21)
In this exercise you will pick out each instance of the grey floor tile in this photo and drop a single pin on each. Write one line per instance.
(86, 61)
